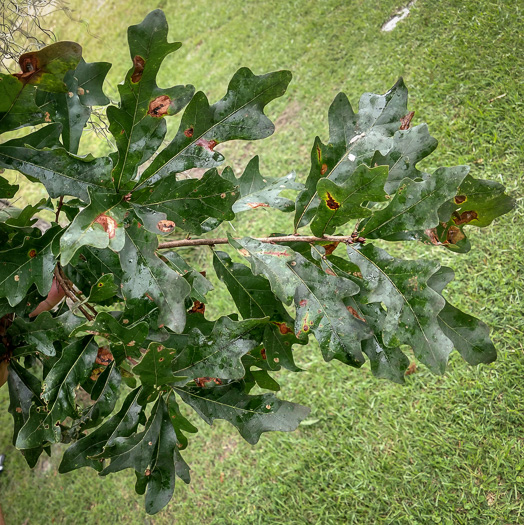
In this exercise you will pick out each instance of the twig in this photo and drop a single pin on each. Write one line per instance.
(59, 208)
(270, 240)
(70, 293)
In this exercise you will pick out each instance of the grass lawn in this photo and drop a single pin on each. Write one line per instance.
(444, 449)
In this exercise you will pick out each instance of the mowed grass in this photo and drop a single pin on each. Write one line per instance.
(444, 449)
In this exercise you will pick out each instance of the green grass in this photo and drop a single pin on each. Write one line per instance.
(439, 450)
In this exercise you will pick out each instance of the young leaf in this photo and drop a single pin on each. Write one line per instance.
(251, 415)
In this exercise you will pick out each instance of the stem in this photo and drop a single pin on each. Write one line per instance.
(70, 293)
(270, 240)
(59, 208)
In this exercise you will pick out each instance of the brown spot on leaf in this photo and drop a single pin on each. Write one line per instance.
(31, 253)
(459, 199)
(329, 271)
(104, 356)
(95, 373)
(206, 144)
(29, 65)
(465, 217)
(284, 328)
(303, 302)
(19, 410)
(277, 254)
(330, 248)
(323, 169)
(255, 205)
(165, 226)
(198, 308)
(159, 106)
(189, 132)
(263, 353)
(201, 381)
(139, 64)
(243, 252)
(354, 313)
(108, 223)
(432, 235)
(331, 203)
(405, 122)
(47, 117)
(80, 91)
(412, 368)
(454, 235)
(147, 472)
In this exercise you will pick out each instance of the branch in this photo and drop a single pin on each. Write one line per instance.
(70, 292)
(270, 240)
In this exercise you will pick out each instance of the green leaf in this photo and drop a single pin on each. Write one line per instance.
(31, 263)
(200, 286)
(154, 454)
(105, 394)
(44, 330)
(155, 366)
(89, 80)
(47, 67)
(179, 422)
(188, 202)
(415, 204)
(138, 125)
(408, 147)
(145, 275)
(469, 335)
(261, 192)
(24, 390)
(105, 288)
(341, 202)
(125, 339)
(121, 425)
(239, 115)
(218, 354)
(61, 173)
(477, 203)
(254, 298)
(99, 224)
(318, 296)
(412, 306)
(251, 415)
(354, 138)
(73, 367)
(7, 190)
(18, 106)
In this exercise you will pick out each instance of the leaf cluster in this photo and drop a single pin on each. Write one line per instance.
(101, 310)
